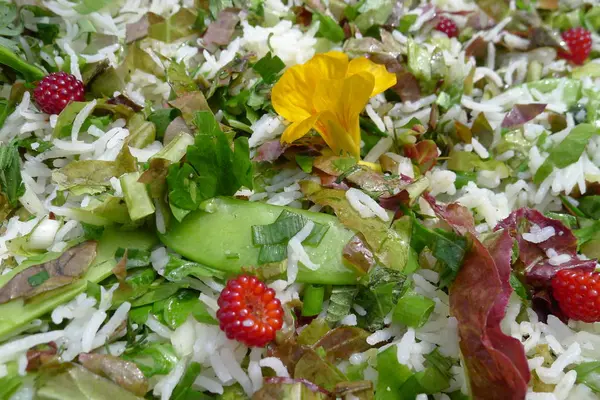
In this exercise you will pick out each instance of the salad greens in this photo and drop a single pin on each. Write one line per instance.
(391, 172)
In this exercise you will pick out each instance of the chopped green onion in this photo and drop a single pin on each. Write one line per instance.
(271, 253)
(312, 302)
(413, 310)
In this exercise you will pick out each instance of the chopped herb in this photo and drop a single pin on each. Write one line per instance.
(269, 67)
(39, 278)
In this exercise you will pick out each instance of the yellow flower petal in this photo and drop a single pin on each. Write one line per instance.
(292, 95)
(336, 136)
(328, 94)
(331, 65)
(383, 79)
(298, 129)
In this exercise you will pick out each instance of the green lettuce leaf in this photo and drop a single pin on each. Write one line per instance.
(11, 182)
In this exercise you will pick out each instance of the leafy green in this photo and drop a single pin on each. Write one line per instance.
(406, 22)
(447, 247)
(518, 287)
(162, 118)
(373, 12)
(329, 28)
(181, 305)
(89, 6)
(175, 27)
(340, 302)
(390, 245)
(317, 370)
(136, 258)
(11, 182)
(588, 373)
(184, 390)
(153, 359)
(314, 331)
(590, 205)
(381, 290)
(269, 67)
(10, 383)
(434, 379)
(178, 269)
(29, 71)
(496, 9)
(179, 79)
(413, 309)
(213, 169)
(567, 152)
(76, 382)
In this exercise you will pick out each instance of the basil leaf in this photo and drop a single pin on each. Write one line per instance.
(329, 28)
(269, 67)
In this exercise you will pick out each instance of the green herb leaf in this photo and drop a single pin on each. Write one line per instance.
(329, 28)
(154, 359)
(213, 169)
(588, 373)
(162, 118)
(305, 163)
(392, 375)
(136, 258)
(175, 27)
(89, 6)
(518, 287)
(383, 287)
(312, 300)
(11, 182)
(448, 247)
(184, 387)
(29, 71)
(340, 302)
(269, 67)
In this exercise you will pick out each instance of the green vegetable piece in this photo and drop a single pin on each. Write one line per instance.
(413, 310)
(392, 375)
(11, 182)
(318, 371)
(175, 27)
(136, 195)
(590, 205)
(185, 384)
(305, 163)
(176, 149)
(233, 219)
(135, 257)
(183, 304)
(448, 247)
(89, 6)
(373, 12)
(588, 373)
(162, 118)
(79, 383)
(158, 292)
(154, 359)
(312, 301)
(329, 28)
(29, 71)
(17, 313)
(39, 278)
(340, 302)
(518, 287)
(269, 67)
(567, 152)
(381, 290)
(313, 332)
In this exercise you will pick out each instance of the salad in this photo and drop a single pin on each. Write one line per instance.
(299, 200)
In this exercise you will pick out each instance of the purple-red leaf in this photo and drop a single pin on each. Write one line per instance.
(522, 113)
(423, 153)
(538, 269)
(220, 31)
(455, 215)
(358, 254)
(269, 151)
(496, 363)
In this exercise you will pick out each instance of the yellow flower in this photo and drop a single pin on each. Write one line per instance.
(328, 93)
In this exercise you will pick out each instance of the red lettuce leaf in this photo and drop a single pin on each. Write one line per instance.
(457, 216)
(522, 113)
(538, 270)
(423, 153)
(496, 363)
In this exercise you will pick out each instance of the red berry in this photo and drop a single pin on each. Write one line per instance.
(579, 42)
(56, 90)
(578, 294)
(447, 26)
(249, 312)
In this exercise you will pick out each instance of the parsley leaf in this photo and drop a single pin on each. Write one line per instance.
(268, 67)
(10, 174)
(213, 168)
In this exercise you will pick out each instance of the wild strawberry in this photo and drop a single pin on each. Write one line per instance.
(579, 42)
(56, 90)
(249, 312)
(578, 294)
(447, 26)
